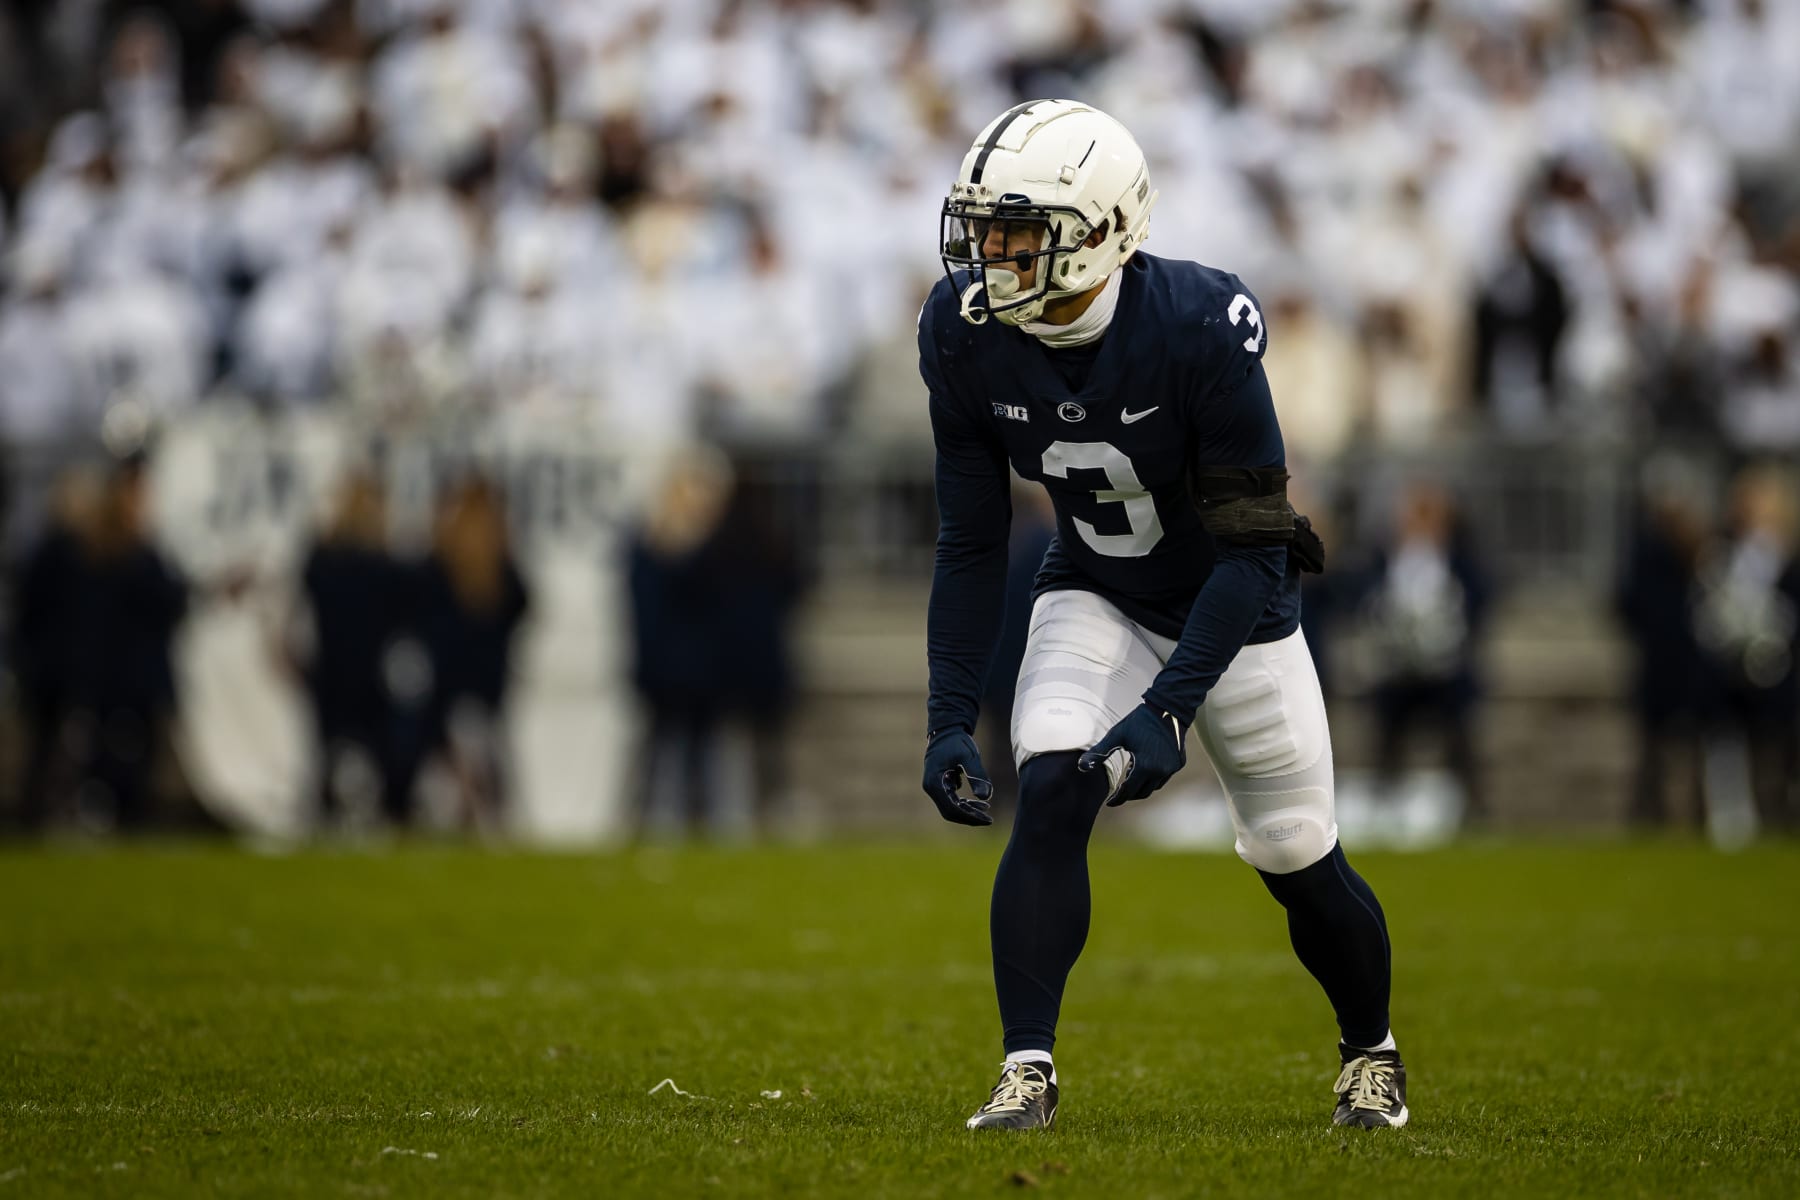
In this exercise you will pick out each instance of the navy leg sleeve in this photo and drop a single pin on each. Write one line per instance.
(1039, 918)
(1341, 936)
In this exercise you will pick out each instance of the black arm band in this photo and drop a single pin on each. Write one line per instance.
(1248, 506)
(1244, 505)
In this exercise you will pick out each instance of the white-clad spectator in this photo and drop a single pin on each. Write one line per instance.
(1157, 86)
(908, 112)
(533, 341)
(967, 46)
(74, 194)
(1402, 396)
(449, 93)
(1693, 185)
(138, 337)
(286, 349)
(647, 360)
(1488, 145)
(410, 272)
(1316, 374)
(602, 56)
(142, 92)
(846, 46)
(1744, 60)
(855, 55)
(1761, 411)
(1235, 230)
(558, 210)
(1575, 220)
(1402, 260)
(1618, 94)
(649, 343)
(768, 360)
(226, 147)
(1294, 74)
(723, 151)
(412, 264)
(284, 210)
(1369, 146)
(1754, 318)
(740, 54)
(37, 401)
(313, 99)
(1521, 317)
(831, 211)
(910, 196)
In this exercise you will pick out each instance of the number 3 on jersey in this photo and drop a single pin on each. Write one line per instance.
(1243, 307)
(1123, 488)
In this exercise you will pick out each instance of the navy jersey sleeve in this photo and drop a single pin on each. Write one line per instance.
(1237, 429)
(968, 586)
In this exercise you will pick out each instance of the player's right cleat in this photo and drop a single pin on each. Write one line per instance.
(1023, 1099)
(1371, 1089)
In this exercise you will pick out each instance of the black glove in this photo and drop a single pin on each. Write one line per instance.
(951, 759)
(1140, 753)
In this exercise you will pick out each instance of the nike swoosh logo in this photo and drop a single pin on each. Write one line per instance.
(1127, 416)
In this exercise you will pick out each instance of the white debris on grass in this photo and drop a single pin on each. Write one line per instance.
(676, 1088)
(414, 1153)
(774, 1095)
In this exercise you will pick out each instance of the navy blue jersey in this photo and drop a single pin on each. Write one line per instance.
(1111, 432)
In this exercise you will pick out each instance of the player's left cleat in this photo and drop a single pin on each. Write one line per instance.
(1371, 1089)
(1023, 1099)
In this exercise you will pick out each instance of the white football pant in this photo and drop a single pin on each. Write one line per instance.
(1263, 726)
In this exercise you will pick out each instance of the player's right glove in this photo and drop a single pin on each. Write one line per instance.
(950, 760)
(1140, 753)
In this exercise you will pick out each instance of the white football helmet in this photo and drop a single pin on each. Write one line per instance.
(1060, 170)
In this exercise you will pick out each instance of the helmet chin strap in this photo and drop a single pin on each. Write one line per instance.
(1002, 285)
(973, 313)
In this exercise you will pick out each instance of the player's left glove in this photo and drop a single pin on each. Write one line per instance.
(1140, 753)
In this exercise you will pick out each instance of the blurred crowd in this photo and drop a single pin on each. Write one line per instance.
(1709, 595)
(1706, 601)
(404, 660)
(717, 216)
(1555, 223)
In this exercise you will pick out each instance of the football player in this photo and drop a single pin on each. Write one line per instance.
(1132, 388)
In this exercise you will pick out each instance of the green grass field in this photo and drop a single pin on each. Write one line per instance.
(1577, 1020)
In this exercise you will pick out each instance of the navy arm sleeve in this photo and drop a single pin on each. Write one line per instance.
(1236, 430)
(968, 586)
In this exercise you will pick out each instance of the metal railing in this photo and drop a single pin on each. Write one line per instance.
(1539, 516)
